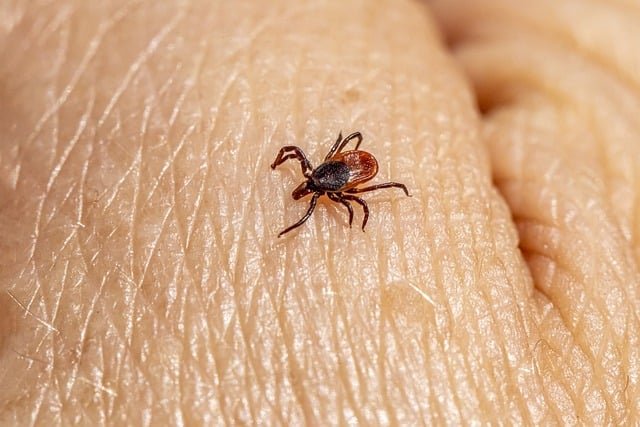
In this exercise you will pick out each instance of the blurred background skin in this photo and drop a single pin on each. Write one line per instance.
(141, 280)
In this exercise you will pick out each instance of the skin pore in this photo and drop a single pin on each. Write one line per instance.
(141, 277)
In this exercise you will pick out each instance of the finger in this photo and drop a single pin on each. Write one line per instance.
(143, 216)
(562, 131)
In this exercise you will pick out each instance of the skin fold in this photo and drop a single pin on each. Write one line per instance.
(141, 278)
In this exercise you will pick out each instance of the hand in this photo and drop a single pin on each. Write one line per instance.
(141, 277)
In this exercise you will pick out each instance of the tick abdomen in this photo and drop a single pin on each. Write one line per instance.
(330, 176)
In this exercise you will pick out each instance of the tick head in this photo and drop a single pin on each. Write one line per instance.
(301, 191)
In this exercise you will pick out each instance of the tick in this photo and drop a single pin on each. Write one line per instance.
(337, 177)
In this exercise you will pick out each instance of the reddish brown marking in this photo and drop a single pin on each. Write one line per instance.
(362, 166)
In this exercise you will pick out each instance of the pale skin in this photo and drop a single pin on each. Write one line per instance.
(141, 279)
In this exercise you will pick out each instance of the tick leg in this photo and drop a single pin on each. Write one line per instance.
(356, 135)
(334, 147)
(306, 216)
(341, 143)
(379, 187)
(292, 152)
(337, 197)
(362, 203)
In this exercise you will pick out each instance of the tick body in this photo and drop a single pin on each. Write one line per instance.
(337, 177)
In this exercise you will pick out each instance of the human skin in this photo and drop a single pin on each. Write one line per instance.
(141, 278)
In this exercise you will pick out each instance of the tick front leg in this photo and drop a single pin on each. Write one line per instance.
(337, 197)
(379, 187)
(292, 152)
(356, 135)
(341, 143)
(334, 147)
(362, 203)
(306, 216)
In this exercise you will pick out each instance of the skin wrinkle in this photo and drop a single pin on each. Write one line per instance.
(154, 245)
(455, 238)
(576, 280)
(79, 72)
(73, 376)
(142, 58)
(434, 374)
(485, 297)
(445, 241)
(482, 292)
(382, 370)
(449, 227)
(604, 316)
(341, 319)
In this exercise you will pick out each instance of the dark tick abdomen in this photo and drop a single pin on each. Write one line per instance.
(330, 176)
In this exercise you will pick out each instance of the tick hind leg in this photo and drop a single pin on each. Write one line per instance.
(362, 203)
(341, 143)
(379, 187)
(292, 152)
(338, 198)
(306, 216)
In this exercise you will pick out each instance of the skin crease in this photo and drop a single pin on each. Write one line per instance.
(141, 279)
